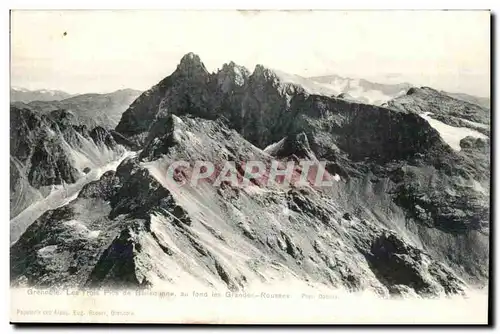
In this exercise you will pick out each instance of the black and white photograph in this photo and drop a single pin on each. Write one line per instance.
(250, 166)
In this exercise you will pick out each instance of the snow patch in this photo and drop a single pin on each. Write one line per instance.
(273, 147)
(50, 132)
(83, 230)
(62, 195)
(47, 250)
(451, 135)
(255, 190)
(94, 234)
(20, 89)
(357, 91)
(78, 226)
(177, 120)
(87, 154)
(311, 87)
(238, 79)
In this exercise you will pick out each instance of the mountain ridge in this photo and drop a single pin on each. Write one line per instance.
(19, 94)
(408, 214)
(91, 109)
(391, 90)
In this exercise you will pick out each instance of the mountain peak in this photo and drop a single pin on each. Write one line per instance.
(232, 66)
(261, 70)
(293, 145)
(190, 63)
(230, 74)
(191, 59)
(422, 90)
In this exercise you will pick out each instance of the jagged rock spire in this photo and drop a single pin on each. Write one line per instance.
(191, 64)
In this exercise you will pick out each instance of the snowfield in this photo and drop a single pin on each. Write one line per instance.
(354, 88)
(88, 154)
(309, 86)
(60, 196)
(335, 87)
(451, 135)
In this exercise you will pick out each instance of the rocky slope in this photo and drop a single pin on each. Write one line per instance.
(454, 118)
(409, 214)
(426, 99)
(89, 109)
(144, 231)
(49, 153)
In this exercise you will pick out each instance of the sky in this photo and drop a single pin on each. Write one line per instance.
(83, 51)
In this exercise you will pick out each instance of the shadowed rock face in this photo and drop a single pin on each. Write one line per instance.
(32, 144)
(52, 149)
(250, 102)
(187, 88)
(264, 110)
(39, 142)
(408, 215)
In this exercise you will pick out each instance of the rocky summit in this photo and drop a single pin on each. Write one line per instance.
(407, 215)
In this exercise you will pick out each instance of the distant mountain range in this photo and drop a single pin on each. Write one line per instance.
(89, 109)
(484, 102)
(365, 91)
(359, 90)
(18, 94)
